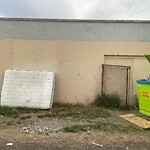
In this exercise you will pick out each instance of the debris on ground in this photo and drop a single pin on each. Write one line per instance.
(143, 123)
(99, 145)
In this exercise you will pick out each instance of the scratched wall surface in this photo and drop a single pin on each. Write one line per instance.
(31, 89)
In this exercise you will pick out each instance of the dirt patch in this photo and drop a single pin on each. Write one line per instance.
(47, 133)
(84, 140)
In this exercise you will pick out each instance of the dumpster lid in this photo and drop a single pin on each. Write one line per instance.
(142, 81)
(147, 57)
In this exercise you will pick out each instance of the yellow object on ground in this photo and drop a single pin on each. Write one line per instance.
(136, 120)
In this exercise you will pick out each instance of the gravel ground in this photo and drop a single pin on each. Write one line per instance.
(46, 133)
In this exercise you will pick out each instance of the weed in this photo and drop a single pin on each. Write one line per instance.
(15, 112)
(75, 129)
(24, 110)
(106, 100)
(81, 112)
(101, 127)
(112, 127)
(60, 111)
(6, 111)
(43, 115)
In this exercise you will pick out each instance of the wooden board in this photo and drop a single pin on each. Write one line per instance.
(136, 120)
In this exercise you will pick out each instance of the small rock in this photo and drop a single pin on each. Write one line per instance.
(40, 131)
(24, 128)
(27, 131)
(89, 131)
(47, 133)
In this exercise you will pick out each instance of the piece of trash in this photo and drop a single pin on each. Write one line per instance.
(99, 145)
(32, 89)
(9, 144)
(143, 123)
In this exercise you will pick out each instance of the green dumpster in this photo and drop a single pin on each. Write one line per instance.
(147, 57)
(144, 96)
(144, 93)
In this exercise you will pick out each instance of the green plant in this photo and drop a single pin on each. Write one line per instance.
(75, 111)
(113, 127)
(108, 100)
(60, 111)
(15, 112)
(75, 129)
(100, 126)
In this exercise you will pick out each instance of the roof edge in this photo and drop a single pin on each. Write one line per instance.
(73, 20)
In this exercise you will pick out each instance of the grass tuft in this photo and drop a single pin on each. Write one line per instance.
(75, 129)
(108, 101)
(100, 127)
(76, 111)
(15, 112)
(59, 111)
(113, 127)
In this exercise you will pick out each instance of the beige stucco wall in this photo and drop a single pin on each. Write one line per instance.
(35, 55)
(6, 57)
(77, 64)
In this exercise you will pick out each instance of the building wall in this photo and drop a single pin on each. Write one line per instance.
(75, 57)
(74, 30)
(6, 57)
(77, 64)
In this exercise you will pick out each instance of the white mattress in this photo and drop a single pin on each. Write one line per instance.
(32, 89)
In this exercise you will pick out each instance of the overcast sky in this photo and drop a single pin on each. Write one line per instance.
(76, 9)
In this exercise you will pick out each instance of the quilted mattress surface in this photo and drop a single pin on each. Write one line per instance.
(32, 89)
